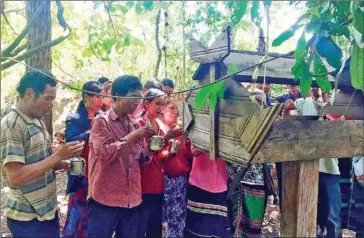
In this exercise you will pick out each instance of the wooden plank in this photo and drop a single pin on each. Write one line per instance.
(307, 140)
(236, 103)
(238, 138)
(229, 150)
(214, 124)
(215, 53)
(299, 198)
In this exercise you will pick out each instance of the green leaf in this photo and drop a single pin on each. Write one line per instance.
(217, 92)
(338, 29)
(312, 4)
(327, 48)
(306, 81)
(320, 68)
(107, 44)
(122, 8)
(201, 98)
(86, 52)
(297, 69)
(357, 10)
(255, 74)
(127, 40)
(211, 92)
(238, 12)
(232, 69)
(301, 47)
(314, 25)
(326, 7)
(357, 67)
(162, 5)
(148, 5)
(119, 46)
(282, 38)
(138, 8)
(129, 4)
(358, 37)
(97, 4)
(268, 3)
(213, 102)
(254, 13)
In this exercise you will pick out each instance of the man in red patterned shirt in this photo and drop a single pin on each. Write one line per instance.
(116, 145)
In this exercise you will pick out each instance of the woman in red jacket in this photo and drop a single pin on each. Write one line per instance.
(152, 172)
(177, 168)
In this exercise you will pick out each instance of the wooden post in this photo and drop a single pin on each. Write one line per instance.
(213, 119)
(299, 198)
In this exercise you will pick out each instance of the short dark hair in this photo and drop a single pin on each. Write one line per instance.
(152, 83)
(122, 85)
(167, 82)
(152, 93)
(37, 81)
(61, 133)
(92, 87)
(103, 80)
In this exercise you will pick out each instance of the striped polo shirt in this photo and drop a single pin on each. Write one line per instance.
(26, 141)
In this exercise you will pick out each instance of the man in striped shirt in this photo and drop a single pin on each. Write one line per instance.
(26, 155)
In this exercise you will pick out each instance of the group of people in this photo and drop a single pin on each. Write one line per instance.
(141, 171)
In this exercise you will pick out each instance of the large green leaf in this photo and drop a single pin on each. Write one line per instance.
(338, 29)
(357, 10)
(301, 47)
(306, 81)
(148, 5)
(254, 13)
(238, 12)
(201, 97)
(286, 35)
(212, 93)
(297, 69)
(282, 37)
(357, 67)
(138, 8)
(319, 69)
(217, 92)
(327, 48)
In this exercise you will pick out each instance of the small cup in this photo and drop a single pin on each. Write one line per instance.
(156, 143)
(174, 144)
(77, 166)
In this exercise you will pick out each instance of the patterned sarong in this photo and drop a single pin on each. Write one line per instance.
(246, 209)
(77, 215)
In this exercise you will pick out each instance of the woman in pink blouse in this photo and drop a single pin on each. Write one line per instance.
(207, 198)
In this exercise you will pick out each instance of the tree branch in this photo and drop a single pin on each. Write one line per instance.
(60, 17)
(7, 22)
(18, 50)
(110, 18)
(33, 51)
(89, 38)
(14, 10)
(21, 36)
(159, 51)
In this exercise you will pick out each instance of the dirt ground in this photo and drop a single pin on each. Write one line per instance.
(271, 223)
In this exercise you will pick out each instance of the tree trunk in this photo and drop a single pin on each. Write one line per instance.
(39, 34)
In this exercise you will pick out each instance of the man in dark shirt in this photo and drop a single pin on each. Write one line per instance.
(293, 93)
